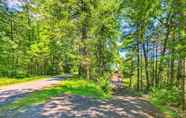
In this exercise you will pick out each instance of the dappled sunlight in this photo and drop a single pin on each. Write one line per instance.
(76, 106)
(12, 92)
(11, 95)
(109, 58)
(44, 103)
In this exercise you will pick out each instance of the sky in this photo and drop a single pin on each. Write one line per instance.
(14, 5)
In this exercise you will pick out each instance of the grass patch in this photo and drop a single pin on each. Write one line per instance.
(77, 87)
(166, 110)
(9, 81)
(167, 100)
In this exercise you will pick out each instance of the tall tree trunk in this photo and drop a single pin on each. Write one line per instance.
(178, 75)
(131, 71)
(156, 66)
(13, 50)
(172, 59)
(153, 65)
(146, 66)
(184, 87)
(83, 68)
(28, 22)
(138, 65)
(168, 20)
(141, 70)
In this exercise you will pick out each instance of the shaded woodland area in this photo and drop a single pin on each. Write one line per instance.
(144, 40)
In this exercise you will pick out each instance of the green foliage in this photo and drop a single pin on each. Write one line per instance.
(46, 36)
(165, 99)
(85, 88)
(76, 87)
(49, 37)
(105, 83)
(21, 74)
(127, 83)
(166, 96)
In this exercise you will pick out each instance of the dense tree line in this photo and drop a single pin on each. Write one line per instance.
(156, 48)
(49, 37)
(42, 37)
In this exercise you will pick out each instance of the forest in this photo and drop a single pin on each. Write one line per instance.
(142, 42)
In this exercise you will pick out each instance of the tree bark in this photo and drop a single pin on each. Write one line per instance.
(146, 66)
(138, 65)
(184, 87)
(83, 68)
(164, 46)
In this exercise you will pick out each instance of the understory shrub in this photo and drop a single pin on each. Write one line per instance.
(166, 96)
(167, 99)
(105, 84)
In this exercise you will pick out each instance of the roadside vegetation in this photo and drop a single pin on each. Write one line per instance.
(143, 41)
(75, 87)
(167, 100)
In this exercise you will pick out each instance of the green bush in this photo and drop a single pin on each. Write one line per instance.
(21, 74)
(105, 84)
(17, 73)
(166, 96)
(165, 99)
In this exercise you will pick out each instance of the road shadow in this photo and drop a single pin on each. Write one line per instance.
(8, 96)
(13, 92)
(74, 106)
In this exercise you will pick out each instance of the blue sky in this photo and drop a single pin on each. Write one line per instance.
(14, 5)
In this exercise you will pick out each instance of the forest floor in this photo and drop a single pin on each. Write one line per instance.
(121, 105)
